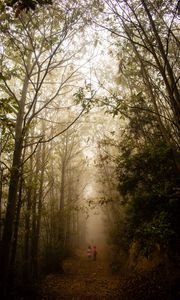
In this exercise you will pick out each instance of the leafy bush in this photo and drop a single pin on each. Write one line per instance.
(148, 181)
(158, 231)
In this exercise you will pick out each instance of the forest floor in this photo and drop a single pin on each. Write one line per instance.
(87, 279)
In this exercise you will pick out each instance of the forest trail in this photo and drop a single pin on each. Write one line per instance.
(83, 279)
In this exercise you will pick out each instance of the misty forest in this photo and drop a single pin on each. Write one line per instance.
(89, 149)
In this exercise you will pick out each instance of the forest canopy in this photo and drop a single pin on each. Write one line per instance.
(26, 4)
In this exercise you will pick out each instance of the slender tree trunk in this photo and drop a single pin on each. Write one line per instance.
(13, 188)
(1, 187)
(39, 211)
(61, 205)
(147, 83)
(34, 221)
(15, 235)
(17, 219)
(162, 61)
(67, 241)
(26, 256)
(10, 213)
(61, 202)
(170, 81)
(1, 191)
(27, 238)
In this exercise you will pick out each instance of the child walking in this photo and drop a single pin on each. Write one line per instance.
(94, 252)
(89, 252)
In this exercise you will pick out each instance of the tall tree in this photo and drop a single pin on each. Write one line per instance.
(147, 49)
(33, 57)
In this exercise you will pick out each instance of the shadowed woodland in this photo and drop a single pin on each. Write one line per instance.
(89, 149)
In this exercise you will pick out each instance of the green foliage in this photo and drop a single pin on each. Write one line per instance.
(147, 180)
(27, 4)
(85, 97)
(158, 231)
(149, 171)
(8, 107)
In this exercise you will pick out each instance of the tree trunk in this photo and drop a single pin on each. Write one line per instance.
(26, 258)
(61, 202)
(15, 236)
(170, 81)
(39, 212)
(13, 188)
(148, 85)
(10, 213)
(34, 222)
(1, 191)
(1, 187)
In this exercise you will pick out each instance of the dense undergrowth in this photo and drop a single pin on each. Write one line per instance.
(148, 181)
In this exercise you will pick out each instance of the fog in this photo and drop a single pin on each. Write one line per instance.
(95, 231)
(89, 145)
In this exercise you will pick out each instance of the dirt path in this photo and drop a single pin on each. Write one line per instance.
(83, 279)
